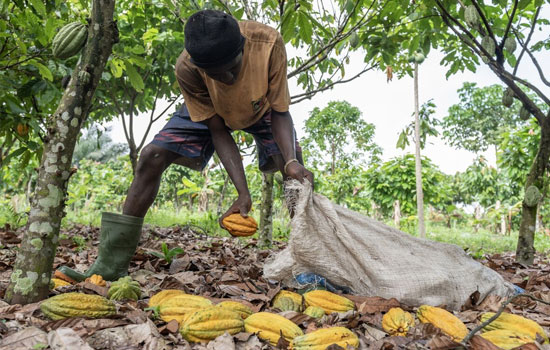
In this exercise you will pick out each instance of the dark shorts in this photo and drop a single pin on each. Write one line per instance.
(192, 140)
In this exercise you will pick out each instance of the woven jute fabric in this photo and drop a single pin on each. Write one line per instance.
(373, 259)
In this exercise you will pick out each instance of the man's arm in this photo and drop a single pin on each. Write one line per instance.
(230, 157)
(283, 134)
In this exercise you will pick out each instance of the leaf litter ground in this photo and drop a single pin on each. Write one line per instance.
(223, 268)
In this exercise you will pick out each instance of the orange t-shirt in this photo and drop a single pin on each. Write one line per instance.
(261, 84)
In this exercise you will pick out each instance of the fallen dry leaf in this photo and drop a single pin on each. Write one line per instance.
(372, 305)
(66, 339)
(84, 327)
(479, 343)
(144, 335)
(223, 342)
(25, 339)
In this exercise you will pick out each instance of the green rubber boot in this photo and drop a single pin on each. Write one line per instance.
(117, 244)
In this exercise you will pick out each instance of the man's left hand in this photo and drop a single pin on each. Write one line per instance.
(297, 171)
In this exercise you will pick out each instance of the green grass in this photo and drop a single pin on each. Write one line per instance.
(482, 242)
(206, 222)
(477, 244)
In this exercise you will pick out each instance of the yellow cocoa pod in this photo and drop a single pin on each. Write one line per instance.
(397, 321)
(97, 280)
(507, 339)
(239, 226)
(324, 337)
(163, 295)
(269, 327)
(288, 294)
(287, 304)
(207, 324)
(314, 311)
(240, 308)
(176, 307)
(328, 301)
(77, 305)
(516, 323)
(444, 320)
(59, 283)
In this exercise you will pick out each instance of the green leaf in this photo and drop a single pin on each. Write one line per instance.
(306, 31)
(135, 79)
(157, 254)
(150, 35)
(39, 7)
(188, 183)
(117, 67)
(44, 71)
(49, 28)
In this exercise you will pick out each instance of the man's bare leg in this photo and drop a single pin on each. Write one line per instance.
(153, 161)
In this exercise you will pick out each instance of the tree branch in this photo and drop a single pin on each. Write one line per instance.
(509, 25)
(325, 50)
(539, 69)
(309, 94)
(22, 61)
(470, 335)
(524, 46)
(484, 20)
(498, 69)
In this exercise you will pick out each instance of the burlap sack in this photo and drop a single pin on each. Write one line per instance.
(350, 249)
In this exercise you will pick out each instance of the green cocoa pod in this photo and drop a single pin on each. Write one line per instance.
(489, 45)
(286, 304)
(354, 40)
(419, 57)
(471, 16)
(69, 40)
(410, 59)
(507, 101)
(510, 44)
(508, 97)
(509, 92)
(524, 113)
(532, 196)
(124, 288)
(314, 311)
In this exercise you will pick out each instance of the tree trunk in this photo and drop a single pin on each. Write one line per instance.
(525, 252)
(333, 164)
(133, 156)
(203, 195)
(30, 279)
(538, 226)
(497, 211)
(503, 224)
(266, 211)
(477, 217)
(397, 214)
(509, 224)
(419, 192)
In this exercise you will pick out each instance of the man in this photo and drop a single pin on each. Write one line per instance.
(233, 77)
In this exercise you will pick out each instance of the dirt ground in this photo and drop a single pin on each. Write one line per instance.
(223, 269)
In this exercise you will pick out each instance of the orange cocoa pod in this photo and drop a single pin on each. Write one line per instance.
(97, 280)
(239, 226)
(22, 129)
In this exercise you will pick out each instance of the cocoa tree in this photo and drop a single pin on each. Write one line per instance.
(30, 279)
(478, 120)
(502, 36)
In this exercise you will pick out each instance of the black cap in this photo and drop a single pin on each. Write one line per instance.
(212, 38)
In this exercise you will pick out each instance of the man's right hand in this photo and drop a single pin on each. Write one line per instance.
(242, 205)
